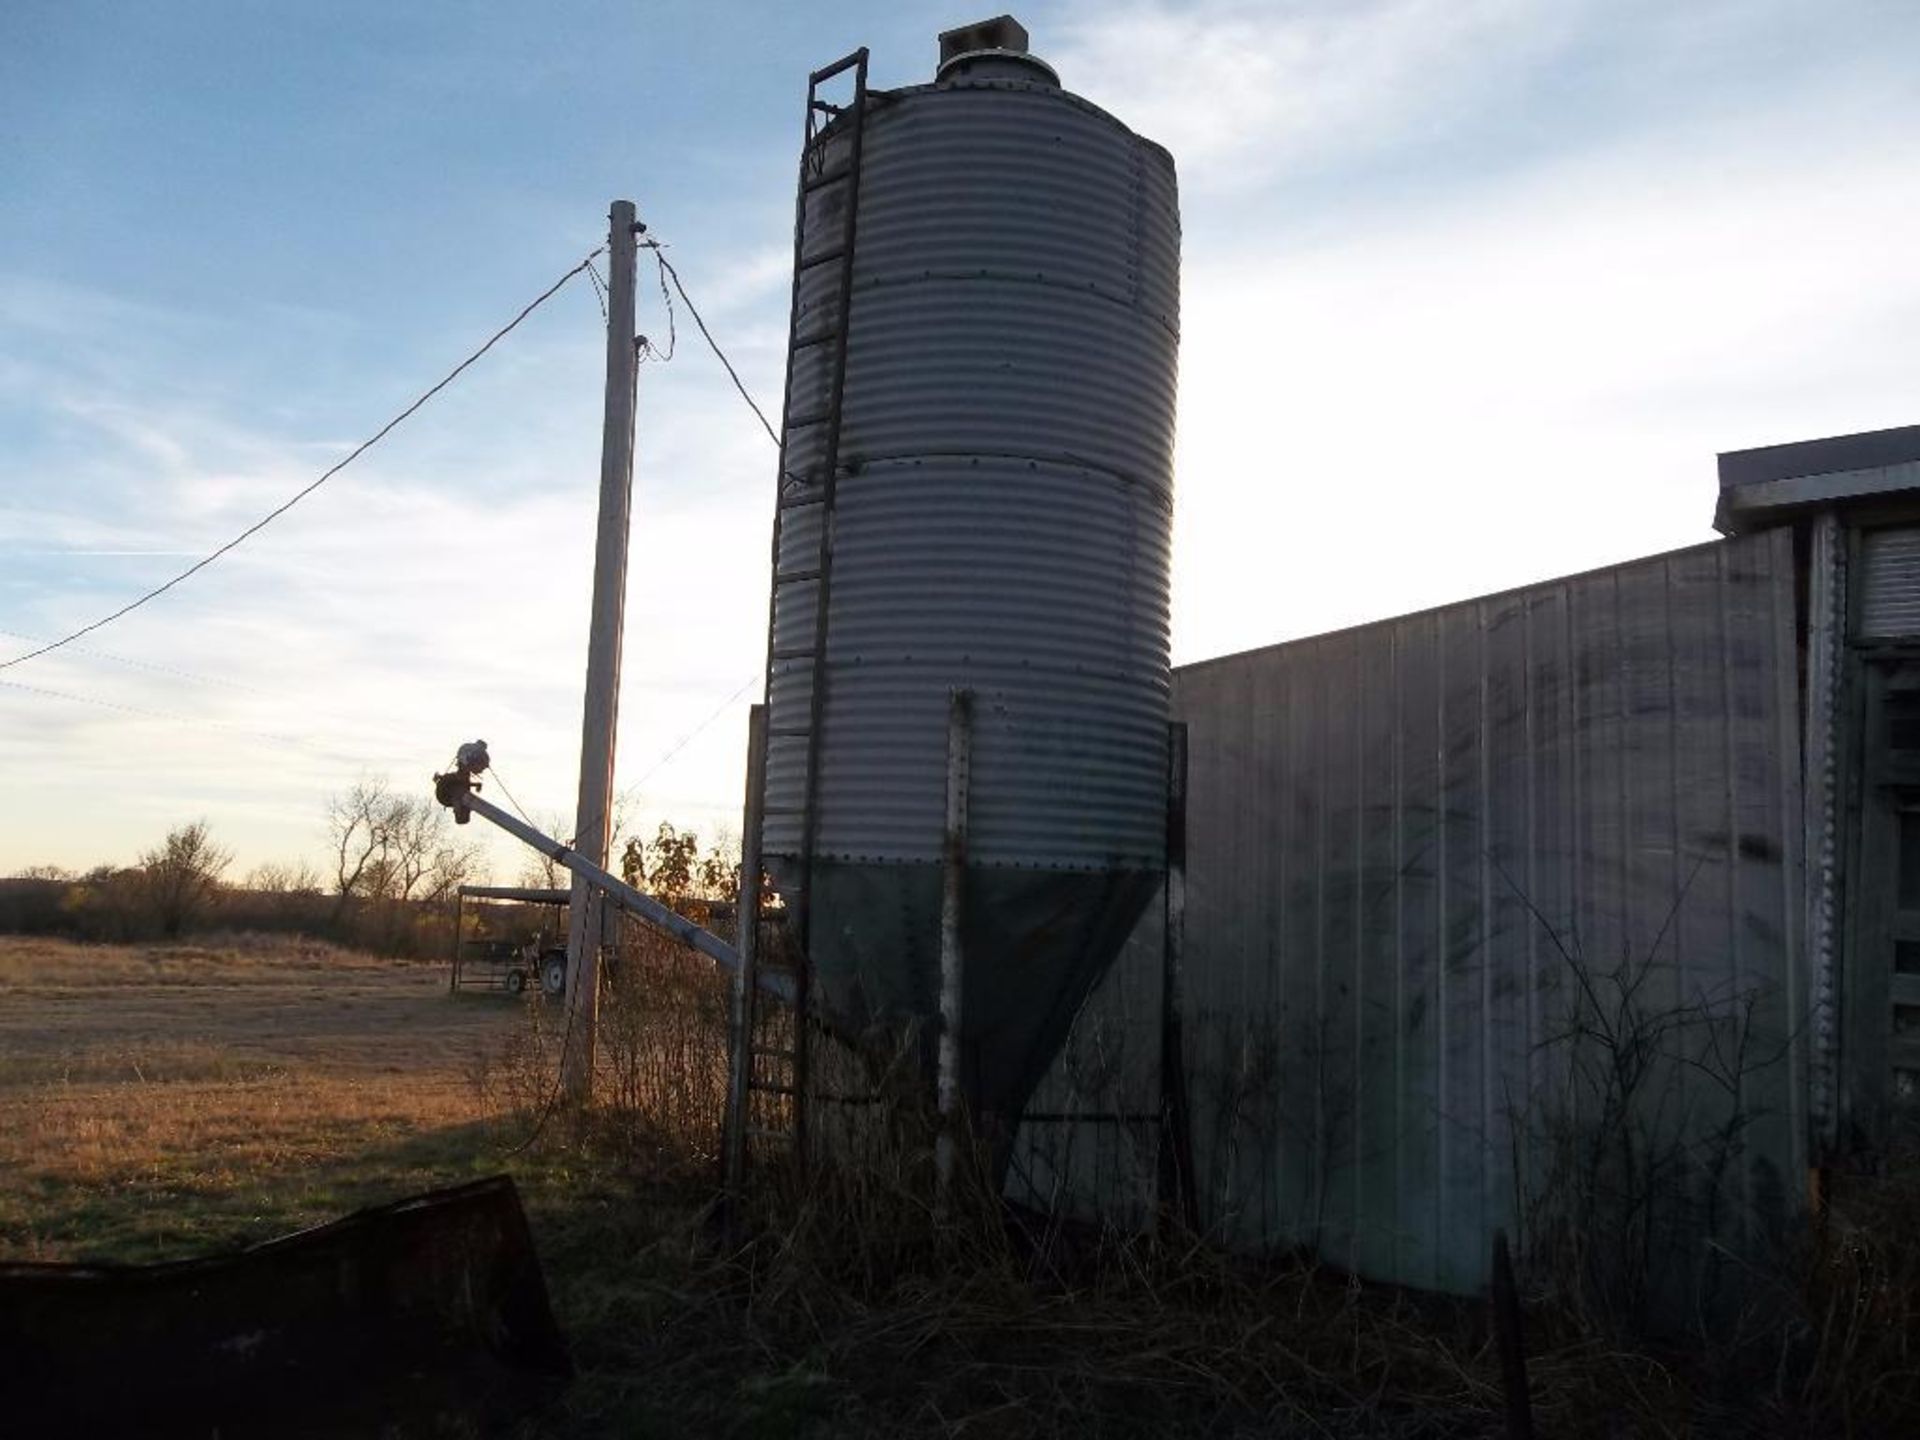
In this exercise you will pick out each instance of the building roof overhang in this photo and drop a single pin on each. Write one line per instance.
(1774, 483)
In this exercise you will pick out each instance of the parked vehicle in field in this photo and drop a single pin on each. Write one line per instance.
(526, 945)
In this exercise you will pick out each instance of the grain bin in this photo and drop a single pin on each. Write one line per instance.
(977, 469)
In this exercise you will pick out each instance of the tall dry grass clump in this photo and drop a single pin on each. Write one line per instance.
(663, 1057)
(1853, 1350)
(852, 1296)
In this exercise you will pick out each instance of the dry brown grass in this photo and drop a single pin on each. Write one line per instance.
(45, 965)
(162, 1100)
(160, 1097)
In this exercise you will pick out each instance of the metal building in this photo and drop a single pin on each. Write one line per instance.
(1853, 506)
(1453, 876)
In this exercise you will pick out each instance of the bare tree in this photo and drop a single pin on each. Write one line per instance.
(451, 867)
(540, 871)
(389, 850)
(391, 847)
(355, 822)
(181, 874)
(406, 842)
(271, 878)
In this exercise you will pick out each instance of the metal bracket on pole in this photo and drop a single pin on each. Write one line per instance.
(952, 950)
(747, 942)
(1175, 1172)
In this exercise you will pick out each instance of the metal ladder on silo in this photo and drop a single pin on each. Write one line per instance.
(783, 1081)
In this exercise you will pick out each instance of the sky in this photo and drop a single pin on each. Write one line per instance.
(1473, 292)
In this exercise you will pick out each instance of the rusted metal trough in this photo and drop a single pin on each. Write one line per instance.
(428, 1316)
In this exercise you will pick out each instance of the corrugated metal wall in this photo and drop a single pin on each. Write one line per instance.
(1890, 584)
(1424, 852)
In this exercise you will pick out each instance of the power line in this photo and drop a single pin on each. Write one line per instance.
(714, 345)
(175, 717)
(335, 719)
(666, 271)
(302, 494)
(494, 770)
(152, 665)
(599, 292)
(647, 349)
(695, 733)
(632, 790)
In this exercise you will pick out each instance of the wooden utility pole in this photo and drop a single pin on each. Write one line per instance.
(590, 922)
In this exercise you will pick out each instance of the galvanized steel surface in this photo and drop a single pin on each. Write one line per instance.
(1003, 514)
(1890, 584)
(1823, 847)
(1408, 841)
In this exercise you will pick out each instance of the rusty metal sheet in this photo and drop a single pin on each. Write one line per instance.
(411, 1318)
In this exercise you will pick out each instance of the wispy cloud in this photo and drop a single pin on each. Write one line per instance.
(1250, 94)
(1241, 90)
(435, 591)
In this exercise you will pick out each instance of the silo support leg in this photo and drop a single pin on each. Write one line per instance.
(952, 952)
(1175, 1179)
(747, 942)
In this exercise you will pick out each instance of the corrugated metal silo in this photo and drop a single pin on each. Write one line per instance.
(999, 521)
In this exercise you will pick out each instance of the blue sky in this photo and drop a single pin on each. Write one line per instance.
(1474, 290)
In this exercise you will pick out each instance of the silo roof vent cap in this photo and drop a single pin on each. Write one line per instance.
(993, 49)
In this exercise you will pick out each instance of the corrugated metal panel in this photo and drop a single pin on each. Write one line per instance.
(1890, 584)
(1003, 517)
(1011, 181)
(999, 367)
(1409, 841)
(986, 582)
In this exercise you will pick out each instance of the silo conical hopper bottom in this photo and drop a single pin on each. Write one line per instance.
(1035, 944)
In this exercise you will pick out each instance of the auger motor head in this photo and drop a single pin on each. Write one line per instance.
(453, 788)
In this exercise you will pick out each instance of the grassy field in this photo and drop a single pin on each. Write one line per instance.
(168, 1099)
(165, 1101)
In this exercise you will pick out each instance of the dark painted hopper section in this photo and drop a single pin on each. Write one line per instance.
(425, 1317)
(1038, 942)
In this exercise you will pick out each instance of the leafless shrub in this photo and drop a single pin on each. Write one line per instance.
(273, 878)
(1626, 1164)
(663, 1057)
(396, 861)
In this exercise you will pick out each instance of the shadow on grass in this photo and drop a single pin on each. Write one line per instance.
(177, 1206)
